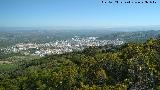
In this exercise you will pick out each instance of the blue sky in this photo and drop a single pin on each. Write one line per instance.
(76, 13)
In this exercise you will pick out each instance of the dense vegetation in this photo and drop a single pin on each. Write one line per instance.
(130, 66)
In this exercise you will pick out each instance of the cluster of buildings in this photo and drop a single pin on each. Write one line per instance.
(60, 46)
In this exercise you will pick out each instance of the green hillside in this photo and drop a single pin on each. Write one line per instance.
(130, 66)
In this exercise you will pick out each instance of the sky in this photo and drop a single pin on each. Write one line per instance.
(77, 13)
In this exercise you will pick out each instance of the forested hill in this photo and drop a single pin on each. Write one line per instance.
(130, 66)
(137, 36)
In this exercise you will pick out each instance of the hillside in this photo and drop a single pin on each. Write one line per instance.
(130, 66)
(136, 36)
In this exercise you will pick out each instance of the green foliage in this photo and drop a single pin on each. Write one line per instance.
(131, 66)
